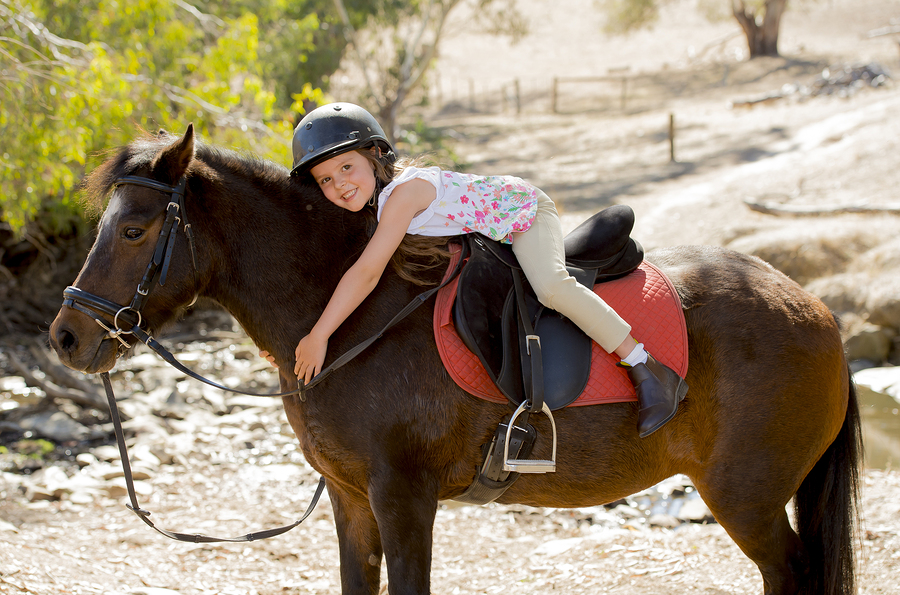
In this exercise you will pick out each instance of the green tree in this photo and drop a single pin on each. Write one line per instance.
(77, 77)
(394, 43)
(760, 20)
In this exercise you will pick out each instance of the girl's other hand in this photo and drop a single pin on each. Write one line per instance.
(310, 354)
(268, 357)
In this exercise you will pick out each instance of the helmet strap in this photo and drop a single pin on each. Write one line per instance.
(379, 186)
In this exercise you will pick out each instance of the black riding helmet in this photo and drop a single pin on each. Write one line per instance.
(333, 129)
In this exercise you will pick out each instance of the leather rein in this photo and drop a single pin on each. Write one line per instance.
(127, 320)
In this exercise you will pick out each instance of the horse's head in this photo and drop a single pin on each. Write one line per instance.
(139, 271)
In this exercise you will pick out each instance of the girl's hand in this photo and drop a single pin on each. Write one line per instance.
(310, 354)
(268, 357)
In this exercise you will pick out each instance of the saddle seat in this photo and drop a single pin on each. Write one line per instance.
(487, 316)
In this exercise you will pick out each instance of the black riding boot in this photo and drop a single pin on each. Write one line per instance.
(659, 390)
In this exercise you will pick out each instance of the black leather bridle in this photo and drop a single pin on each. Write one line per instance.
(156, 272)
(127, 320)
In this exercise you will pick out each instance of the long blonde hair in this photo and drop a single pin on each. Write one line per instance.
(416, 255)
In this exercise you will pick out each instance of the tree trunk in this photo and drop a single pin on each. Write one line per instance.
(761, 26)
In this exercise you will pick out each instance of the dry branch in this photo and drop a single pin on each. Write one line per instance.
(771, 208)
(57, 392)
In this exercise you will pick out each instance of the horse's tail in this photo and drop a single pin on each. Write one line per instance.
(826, 509)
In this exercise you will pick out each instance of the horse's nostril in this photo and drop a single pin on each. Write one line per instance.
(66, 340)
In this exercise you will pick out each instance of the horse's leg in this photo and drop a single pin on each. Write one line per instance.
(766, 537)
(359, 542)
(405, 507)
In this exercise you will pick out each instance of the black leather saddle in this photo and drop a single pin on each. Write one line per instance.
(500, 328)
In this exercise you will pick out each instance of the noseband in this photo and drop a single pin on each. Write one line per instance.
(156, 272)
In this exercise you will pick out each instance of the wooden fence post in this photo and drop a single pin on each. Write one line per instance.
(672, 138)
(553, 95)
(518, 98)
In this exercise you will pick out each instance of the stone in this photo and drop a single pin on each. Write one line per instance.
(808, 253)
(55, 426)
(86, 459)
(869, 342)
(663, 520)
(883, 300)
(36, 493)
(695, 510)
(881, 380)
(116, 488)
(844, 292)
(107, 452)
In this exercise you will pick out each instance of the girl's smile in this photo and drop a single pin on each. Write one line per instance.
(347, 180)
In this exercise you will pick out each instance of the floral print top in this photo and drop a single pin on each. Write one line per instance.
(491, 205)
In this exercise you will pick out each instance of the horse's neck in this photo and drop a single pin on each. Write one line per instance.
(275, 268)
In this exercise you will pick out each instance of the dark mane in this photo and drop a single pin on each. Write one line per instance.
(141, 153)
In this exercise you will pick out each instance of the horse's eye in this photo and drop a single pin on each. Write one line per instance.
(133, 233)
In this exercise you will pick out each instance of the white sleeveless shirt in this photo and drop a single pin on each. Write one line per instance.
(465, 203)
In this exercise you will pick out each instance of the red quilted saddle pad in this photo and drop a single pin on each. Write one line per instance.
(645, 299)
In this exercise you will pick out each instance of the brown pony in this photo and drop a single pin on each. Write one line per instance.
(771, 414)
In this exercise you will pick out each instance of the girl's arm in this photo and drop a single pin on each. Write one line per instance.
(407, 200)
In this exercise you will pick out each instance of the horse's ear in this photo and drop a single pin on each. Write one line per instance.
(173, 161)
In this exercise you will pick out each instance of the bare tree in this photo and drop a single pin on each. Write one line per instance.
(397, 47)
(761, 22)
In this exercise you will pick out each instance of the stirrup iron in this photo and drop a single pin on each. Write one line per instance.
(527, 465)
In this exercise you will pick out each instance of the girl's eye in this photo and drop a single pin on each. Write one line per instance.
(324, 181)
(133, 233)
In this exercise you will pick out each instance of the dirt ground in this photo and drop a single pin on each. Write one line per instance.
(822, 151)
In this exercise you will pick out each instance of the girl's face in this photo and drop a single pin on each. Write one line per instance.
(348, 180)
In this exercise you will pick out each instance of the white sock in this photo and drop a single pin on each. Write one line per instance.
(637, 356)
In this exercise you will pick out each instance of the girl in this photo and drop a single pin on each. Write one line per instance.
(345, 151)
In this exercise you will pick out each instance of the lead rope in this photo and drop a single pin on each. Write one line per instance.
(145, 514)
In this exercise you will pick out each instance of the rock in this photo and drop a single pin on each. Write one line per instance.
(55, 426)
(883, 299)
(695, 510)
(881, 380)
(82, 497)
(38, 493)
(810, 253)
(117, 488)
(86, 459)
(556, 547)
(868, 341)
(845, 292)
(107, 452)
(8, 527)
(664, 520)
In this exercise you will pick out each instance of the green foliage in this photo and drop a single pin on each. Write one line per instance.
(420, 138)
(80, 77)
(34, 449)
(629, 15)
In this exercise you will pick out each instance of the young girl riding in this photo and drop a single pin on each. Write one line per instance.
(345, 151)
